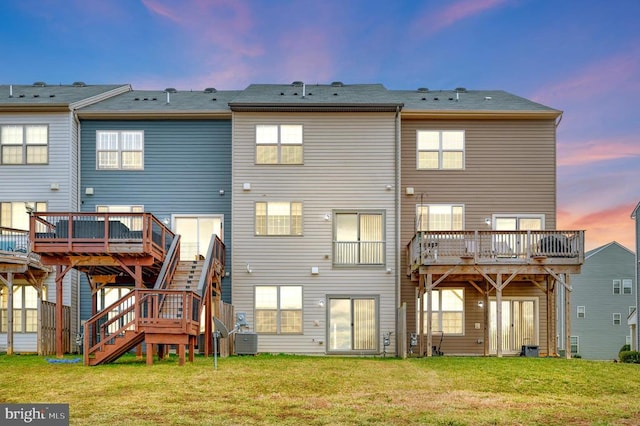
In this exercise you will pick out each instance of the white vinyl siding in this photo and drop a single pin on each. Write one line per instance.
(119, 150)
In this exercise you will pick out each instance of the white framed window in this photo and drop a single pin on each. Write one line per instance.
(440, 217)
(278, 309)
(24, 144)
(278, 218)
(440, 149)
(120, 150)
(575, 344)
(279, 144)
(627, 286)
(359, 238)
(581, 312)
(447, 310)
(134, 223)
(14, 214)
(617, 285)
(25, 309)
(617, 319)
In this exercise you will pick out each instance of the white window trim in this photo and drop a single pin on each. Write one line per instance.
(619, 318)
(627, 283)
(577, 344)
(359, 264)
(437, 333)
(617, 284)
(440, 150)
(291, 232)
(517, 216)
(581, 310)
(451, 205)
(119, 150)
(278, 144)
(24, 144)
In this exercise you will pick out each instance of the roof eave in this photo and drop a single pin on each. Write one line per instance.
(315, 107)
(35, 108)
(152, 115)
(496, 114)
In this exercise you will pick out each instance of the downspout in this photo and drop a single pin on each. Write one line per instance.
(397, 227)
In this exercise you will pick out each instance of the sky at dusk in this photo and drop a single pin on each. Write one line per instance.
(581, 57)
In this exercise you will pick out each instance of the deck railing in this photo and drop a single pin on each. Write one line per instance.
(214, 263)
(445, 247)
(165, 311)
(100, 231)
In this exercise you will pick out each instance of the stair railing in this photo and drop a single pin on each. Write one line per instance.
(213, 264)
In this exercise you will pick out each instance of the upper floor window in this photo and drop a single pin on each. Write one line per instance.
(24, 144)
(440, 217)
(616, 286)
(440, 149)
(279, 144)
(134, 223)
(278, 309)
(617, 319)
(626, 286)
(278, 218)
(359, 238)
(581, 312)
(119, 150)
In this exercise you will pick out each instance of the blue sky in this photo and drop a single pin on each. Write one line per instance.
(582, 57)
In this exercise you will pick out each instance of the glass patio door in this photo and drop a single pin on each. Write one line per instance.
(519, 319)
(353, 324)
(195, 234)
(515, 245)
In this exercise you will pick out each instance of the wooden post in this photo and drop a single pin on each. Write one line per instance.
(139, 284)
(429, 315)
(39, 320)
(59, 312)
(181, 353)
(499, 316)
(150, 348)
(208, 332)
(487, 320)
(192, 345)
(421, 315)
(10, 313)
(567, 315)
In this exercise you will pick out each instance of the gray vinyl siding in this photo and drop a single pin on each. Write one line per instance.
(186, 164)
(348, 163)
(510, 168)
(33, 183)
(593, 289)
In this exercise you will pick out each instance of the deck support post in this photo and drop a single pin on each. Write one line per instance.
(421, 314)
(181, 354)
(487, 319)
(150, 348)
(208, 332)
(567, 316)
(499, 315)
(9, 284)
(429, 315)
(59, 311)
(192, 345)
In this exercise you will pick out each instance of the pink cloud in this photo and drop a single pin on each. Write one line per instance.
(432, 23)
(612, 75)
(602, 226)
(588, 152)
(159, 9)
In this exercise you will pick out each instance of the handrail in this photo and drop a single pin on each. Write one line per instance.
(14, 240)
(169, 266)
(214, 262)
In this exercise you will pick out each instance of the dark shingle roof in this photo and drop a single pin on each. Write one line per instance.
(42, 95)
(310, 97)
(159, 102)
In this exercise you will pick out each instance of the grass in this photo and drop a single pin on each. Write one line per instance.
(296, 390)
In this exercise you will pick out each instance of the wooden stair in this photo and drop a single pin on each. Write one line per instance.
(120, 345)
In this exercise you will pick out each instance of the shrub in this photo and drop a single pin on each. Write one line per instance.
(632, 357)
(625, 348)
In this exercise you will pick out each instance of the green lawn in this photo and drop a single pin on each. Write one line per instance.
(299, 390)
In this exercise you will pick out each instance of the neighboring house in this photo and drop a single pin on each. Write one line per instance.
(315, 216)
(478, 205)
(633, 318)
(603, 297)
(163, 152)
(39, 172)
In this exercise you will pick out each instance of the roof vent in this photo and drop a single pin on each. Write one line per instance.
(170, 90)
(422, 90)
(337, 84)
(210, 90)
(79, 84)
(39, 84)
(295, 93)
(487, 98)
(297, 83)
(461, 90)
(436, 99)
(36, 96)
(136, 99)
(52, 96)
